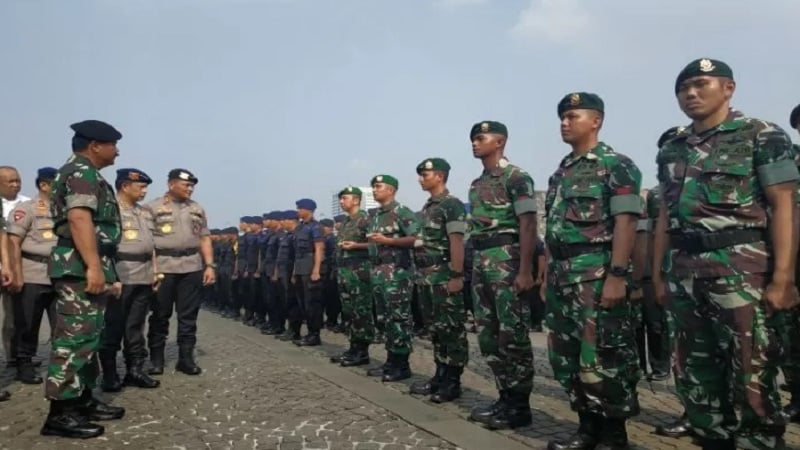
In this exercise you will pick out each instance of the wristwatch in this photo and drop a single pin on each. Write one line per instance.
(212, 265)
(618, 271)
(456, 274)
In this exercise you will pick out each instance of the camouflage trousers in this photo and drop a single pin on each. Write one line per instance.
(73, 363)
(392, 287)
(355, 292)
(445, 316)
(593, 350)
(727, 354)
(503, 318)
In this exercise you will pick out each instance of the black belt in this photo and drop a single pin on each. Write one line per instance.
(107, 250)
(566, 251)
(698, 242)
(36, 258)
(176, 253)
(498, 240)
(423, 262)
(352, 261)
(135, 257)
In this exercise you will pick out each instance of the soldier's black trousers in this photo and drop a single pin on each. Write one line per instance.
(181, 292)
(29, 307)
(124, 322)
(308, 305)
(236, 294)
(256, 298)
(286, 299)
(331, 300)
(223, 290)
(268, 300)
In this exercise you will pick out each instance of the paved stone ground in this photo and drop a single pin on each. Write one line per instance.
(259, 393)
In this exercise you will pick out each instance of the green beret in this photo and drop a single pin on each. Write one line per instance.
(580, 100)
(350, 190)
(386, 179)
(669, 134)
(794, 118)
(438, 164)
(703, 67)
(488, 126)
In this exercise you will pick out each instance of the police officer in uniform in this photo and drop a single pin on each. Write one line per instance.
(240, 272)
(309, 245)
(31, 237)
(284, 266)
(184, 256)
(125, 318)
(251, 278)
(275, 324)
(226, 263)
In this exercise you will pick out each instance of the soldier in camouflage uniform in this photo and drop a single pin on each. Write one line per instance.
(592, 206)
(728, 184)
(503, 236)
(354, 279)
(439, 258)
(81, 267)
(791, 368)
(6, 276)
(391, 234)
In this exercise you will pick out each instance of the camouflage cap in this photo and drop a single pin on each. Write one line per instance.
(669, 134)
(350, 190)
(580, 100)
(488, 126)
(437, 164)
(385, 179)
(703, 67)
(794, 117)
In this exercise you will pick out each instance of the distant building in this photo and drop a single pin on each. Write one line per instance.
(367, 201)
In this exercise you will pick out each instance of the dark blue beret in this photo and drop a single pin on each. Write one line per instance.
(95, 130)
(231, 230)
(46, 173)
(326, 223)
(134, 175)
(181, 174)
(290, 215)
(255, 220)
(306, 203)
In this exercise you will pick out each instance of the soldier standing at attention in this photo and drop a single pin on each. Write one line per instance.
(503, 237)
(330, 294)
(184, 256)
(309, 245)
(140, 279)
(354, 279)
(284, 266)
(31, 238)
(240, 275)
(227, 265)
(391, 235)
(728, 185)
(275, 325)
(87, 222)
(592, 209)
(252, 297)
(439, 258)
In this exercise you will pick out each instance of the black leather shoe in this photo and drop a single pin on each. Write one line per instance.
(613, 435)
(383, 368)
(587, 436)
(186, 362)
(156, 361)
(484, 413)
(677, 429)
(310, 340)
(336, 359)
(429, 386)
(94, 409)
(27, 374)
(398, 370)
(517, 413)
(359, 358)
(64, 422)
(449, 387)
(289, 335)
(136, 377)
(5, 396)
(111, 381)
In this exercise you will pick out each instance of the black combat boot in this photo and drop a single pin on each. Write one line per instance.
(111, 382)
(91, 407)
(677, 429)
(383, 368)
(156, 361)
(429, 386)
(359, 358)
(719, 444)
(135, 376)
(400, 370)
(346, 354)
(484, 413)
(27, 373)
(450, 387)
(4, 395)
(613, 435)
(792, 411)
(587, 436)
(517, 413)
(186, 362)
(292, 333)
(310, 340)
(64, 420)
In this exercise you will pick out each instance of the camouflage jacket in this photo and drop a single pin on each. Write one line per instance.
(393, 220)
(353, 229)
(714, 181)
(442, 215)
(79, 184)
(583, 196)
(498, 197)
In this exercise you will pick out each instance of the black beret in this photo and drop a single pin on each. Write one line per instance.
(437, 164)
(290, 215)
(46, 173)
(326, 223)
(794, 117)
(488, 126)
(95, 130)
(703, 67)
(134, 175)
(231, 230)
(181, 174)
(580, 100)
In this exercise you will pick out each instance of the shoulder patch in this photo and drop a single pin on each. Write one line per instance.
(19, 215)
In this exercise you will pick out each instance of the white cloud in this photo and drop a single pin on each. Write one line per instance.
(558, 21)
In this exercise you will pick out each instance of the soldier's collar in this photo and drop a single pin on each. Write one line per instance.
(734, 121)
(591, 155)
(389, 206)
(439, 197)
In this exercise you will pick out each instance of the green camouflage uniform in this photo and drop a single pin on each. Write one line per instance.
(354, 279)
(442, 216)
(726, 351)
(392, 276)
(592, 350)
(79, 321)
(497, 198)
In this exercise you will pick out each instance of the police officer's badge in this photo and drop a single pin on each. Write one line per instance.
(166, 228)
(575, 99)
(428, 165)
(131, 234)
(47, 234)
(133, 176)
(706, 65)
(484, 127)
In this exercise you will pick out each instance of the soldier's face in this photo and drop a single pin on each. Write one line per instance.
(46, 187)
(381, 191)
(10, 183)
(181, 189)
(700, 97)
(348, 202)
(137, 190)
(428, 180)
(485, 144)
(578, 124)
(106, 152)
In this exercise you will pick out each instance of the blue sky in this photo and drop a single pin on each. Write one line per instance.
(268, 101)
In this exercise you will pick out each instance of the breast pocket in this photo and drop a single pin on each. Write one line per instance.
(44, 231)
(584, 203)
(131, 232)
(727, 183)
(165, 224)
